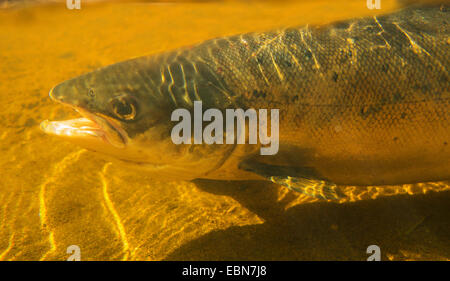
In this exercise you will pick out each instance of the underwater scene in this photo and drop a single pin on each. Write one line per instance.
(115, 137)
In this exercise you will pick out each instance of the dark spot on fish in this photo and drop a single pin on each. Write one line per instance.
(445, 143)
(367, 110)
(335, 77)
(260, 59)
(403, 115)
(259, 94)
(385, 67)
(295, 98)
(363, 112)
(344, 56)
(308, 54)
(395, 138)
(286, 63)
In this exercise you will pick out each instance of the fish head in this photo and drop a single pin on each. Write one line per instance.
(126, 117)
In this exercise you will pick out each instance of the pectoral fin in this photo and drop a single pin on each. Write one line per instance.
(303, 180)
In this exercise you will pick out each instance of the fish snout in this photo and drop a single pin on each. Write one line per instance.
(55, 94)
(64, 94)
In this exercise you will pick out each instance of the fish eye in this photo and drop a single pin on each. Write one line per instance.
(124, 108)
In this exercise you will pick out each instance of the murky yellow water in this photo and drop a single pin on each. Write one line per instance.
(54, 194)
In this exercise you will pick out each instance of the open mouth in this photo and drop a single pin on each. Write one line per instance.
(91, 127)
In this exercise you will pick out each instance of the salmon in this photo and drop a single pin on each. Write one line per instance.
(363, 101)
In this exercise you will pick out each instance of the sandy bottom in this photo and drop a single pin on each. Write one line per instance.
(54, 194)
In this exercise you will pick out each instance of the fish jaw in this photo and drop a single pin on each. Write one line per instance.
(80, 127)
(90, 130)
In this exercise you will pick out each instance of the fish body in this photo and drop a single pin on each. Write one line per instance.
(361, 102)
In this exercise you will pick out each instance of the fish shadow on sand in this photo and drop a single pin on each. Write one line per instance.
(403, 226)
